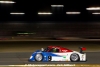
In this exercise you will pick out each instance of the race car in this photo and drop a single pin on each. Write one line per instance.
(58, 53)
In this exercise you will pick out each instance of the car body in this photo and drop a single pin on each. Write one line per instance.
(58, 53)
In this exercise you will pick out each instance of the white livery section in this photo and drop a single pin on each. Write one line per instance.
(67, 56)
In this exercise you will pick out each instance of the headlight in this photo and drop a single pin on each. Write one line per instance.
(31, 57)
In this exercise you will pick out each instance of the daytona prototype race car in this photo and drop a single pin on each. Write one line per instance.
(57, 53)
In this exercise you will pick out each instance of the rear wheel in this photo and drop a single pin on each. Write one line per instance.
(74, 57)
(38, 57)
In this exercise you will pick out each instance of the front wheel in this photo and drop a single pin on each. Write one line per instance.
(74, 57)
(38, 57)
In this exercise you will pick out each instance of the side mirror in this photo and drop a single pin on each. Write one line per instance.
(42, 49)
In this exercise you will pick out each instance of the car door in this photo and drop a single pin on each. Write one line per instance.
(55, 55)
(62, 55)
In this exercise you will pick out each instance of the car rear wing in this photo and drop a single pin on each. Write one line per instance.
(82, 49)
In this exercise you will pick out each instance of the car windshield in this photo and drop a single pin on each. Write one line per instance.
(46, 49)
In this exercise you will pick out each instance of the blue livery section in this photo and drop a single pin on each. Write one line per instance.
(44, 54)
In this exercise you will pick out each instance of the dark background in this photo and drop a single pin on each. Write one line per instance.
(49, 29)
(31, 8)
(56, 25)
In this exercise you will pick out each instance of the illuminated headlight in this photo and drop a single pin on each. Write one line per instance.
(31, 57)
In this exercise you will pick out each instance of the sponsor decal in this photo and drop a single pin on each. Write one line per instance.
(64, 50)
(64, 56)
(82, 57)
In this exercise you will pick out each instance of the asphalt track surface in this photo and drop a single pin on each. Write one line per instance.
(16, 58)
(22, 58)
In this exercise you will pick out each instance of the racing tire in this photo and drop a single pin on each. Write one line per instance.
(74, 57)
(39, 57)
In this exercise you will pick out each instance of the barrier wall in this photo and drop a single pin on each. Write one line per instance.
(85, 30)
